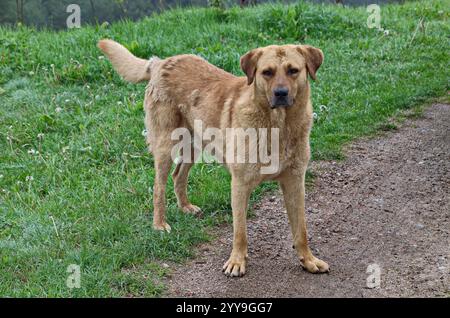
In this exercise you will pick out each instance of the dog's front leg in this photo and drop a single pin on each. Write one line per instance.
(293, 186)
(240, 193)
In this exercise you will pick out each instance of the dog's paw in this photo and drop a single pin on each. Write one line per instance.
(235, 266)
(315, 265)
(192, 209)
(162, 227)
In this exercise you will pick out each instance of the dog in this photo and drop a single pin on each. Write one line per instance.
(275, 93)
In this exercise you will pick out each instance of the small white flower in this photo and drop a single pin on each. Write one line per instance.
(31, 73)
(315, 116)
(52, 65)
(323, 108)
(40, 135)
(29, 178)
(67, 100)
(101, 57)
(386, 32)
(33, 152)
(1, 176)
(144, 133)
(58, 109)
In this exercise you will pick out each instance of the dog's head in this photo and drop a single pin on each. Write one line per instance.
(281, 72)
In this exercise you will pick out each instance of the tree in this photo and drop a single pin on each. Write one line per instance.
(121, 5)
(94, 15)
(19, 11)
(244, 3)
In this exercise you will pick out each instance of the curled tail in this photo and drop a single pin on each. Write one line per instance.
(130, 67)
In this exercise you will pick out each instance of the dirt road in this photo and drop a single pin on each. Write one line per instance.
(387, 204)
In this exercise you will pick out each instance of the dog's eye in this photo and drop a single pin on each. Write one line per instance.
(293, 71)
(267, 73)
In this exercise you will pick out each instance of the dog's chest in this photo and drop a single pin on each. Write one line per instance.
(292, 144)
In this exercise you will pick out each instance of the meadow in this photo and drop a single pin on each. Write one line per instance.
(76, 178)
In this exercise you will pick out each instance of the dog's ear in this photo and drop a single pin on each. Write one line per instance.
(314, 58)
(248, 64)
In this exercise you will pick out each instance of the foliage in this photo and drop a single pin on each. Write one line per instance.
(75, 176)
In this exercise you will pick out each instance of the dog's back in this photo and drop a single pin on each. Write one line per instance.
(187, 82)
(191, 71)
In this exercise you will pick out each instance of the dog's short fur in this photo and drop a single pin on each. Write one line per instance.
(274, 94)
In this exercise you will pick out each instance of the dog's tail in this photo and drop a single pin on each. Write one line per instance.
(130, 67)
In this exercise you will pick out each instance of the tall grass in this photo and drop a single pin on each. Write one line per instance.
(75, 177)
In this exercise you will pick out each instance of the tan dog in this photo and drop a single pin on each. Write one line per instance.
(274, 94)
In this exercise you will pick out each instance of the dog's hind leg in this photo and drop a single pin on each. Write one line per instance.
(163, 163)
(180, 179)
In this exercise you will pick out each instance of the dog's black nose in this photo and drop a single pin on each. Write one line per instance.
(281, 92)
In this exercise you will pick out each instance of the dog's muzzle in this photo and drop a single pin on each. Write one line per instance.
(281, 98)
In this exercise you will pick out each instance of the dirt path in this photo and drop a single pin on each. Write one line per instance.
(388, 203)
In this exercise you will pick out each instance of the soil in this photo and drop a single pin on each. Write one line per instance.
(387, 203)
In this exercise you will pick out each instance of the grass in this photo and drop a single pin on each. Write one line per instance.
(75, 177)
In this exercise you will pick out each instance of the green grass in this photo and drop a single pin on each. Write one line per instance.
(67, 120)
